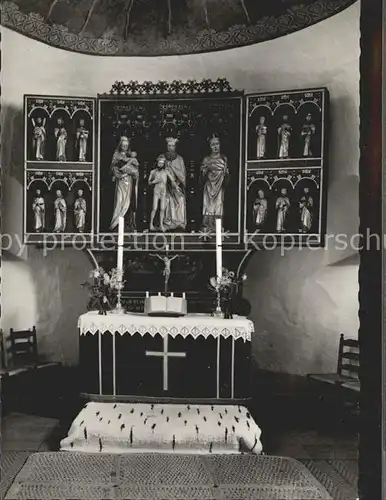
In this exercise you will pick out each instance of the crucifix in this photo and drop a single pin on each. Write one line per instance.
(167, 263)
(165, 354)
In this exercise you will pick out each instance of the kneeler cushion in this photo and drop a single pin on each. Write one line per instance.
(163, 428)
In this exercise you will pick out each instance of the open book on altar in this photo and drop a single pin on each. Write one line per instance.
(160, 305)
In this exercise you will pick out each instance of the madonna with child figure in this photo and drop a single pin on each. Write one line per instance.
(125, 171)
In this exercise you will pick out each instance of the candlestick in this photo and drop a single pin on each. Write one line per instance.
(118, 308)
(218, 247)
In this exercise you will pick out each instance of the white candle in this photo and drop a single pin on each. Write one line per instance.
(120, 244)
(183, 295)
(120, 259)
(121, 223)
(167, 248)
(218, 247)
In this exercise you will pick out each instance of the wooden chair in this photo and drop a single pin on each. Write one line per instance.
(23, 350)
(3, 358)
(25, 383)
(339, 389)
(347, 369)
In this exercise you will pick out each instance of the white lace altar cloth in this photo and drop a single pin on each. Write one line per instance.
(190, 325)
(163, 428)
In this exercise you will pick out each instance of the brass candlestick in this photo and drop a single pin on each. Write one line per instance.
(119, 287)
(118, 308)
(218, 312)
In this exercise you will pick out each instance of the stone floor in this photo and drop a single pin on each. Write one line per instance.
(28, 433)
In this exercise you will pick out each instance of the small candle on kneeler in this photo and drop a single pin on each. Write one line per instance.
(218, 247)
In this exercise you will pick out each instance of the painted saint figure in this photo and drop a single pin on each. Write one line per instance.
(308, 130)
(39, 210)
(175, 203)
(82, 135)
(284, 133)
(60, 207)
(159, 178)
(39, 137)
(260, 209)
(80, 210)
(124, 168)
(61, 140)
(261, 131)
(306, 204)
(214, 170)
(282, 207)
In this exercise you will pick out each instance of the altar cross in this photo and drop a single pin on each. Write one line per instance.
(166, 355)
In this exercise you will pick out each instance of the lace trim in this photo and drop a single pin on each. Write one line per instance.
(242, 329)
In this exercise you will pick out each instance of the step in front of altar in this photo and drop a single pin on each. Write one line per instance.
(190, 358)
(104, 427)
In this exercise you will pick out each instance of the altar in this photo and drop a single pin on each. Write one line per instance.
(137, 357)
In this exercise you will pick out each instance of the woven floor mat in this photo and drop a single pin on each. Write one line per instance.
(11, 462)
(64, 475)
(339, 477)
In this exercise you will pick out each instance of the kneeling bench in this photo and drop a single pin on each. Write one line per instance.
(153, 476)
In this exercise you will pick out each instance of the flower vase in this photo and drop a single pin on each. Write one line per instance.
(227, 308)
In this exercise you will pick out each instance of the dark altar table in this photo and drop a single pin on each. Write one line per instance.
(135, 356)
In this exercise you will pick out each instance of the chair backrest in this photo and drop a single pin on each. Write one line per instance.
(348, 357)
(23, 347)
(3, 354)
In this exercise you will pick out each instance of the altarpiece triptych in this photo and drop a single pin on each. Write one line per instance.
(171, 158)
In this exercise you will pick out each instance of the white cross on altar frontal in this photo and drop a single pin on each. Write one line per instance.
(166, 355)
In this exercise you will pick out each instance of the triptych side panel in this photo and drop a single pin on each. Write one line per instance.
(285, 170)
(59, 159)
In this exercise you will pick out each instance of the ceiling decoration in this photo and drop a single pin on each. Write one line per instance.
(161, 27)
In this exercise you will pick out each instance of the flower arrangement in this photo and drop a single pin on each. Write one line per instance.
(227, 281)
(103, 286)
(225, 287)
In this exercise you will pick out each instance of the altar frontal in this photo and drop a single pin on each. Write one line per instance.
(191, 357)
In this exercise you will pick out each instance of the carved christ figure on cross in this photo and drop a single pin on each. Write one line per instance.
(167, 269)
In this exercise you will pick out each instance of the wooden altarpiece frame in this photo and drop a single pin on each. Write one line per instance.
(194, 113)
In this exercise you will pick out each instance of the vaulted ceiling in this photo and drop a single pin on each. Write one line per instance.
(161, 27)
